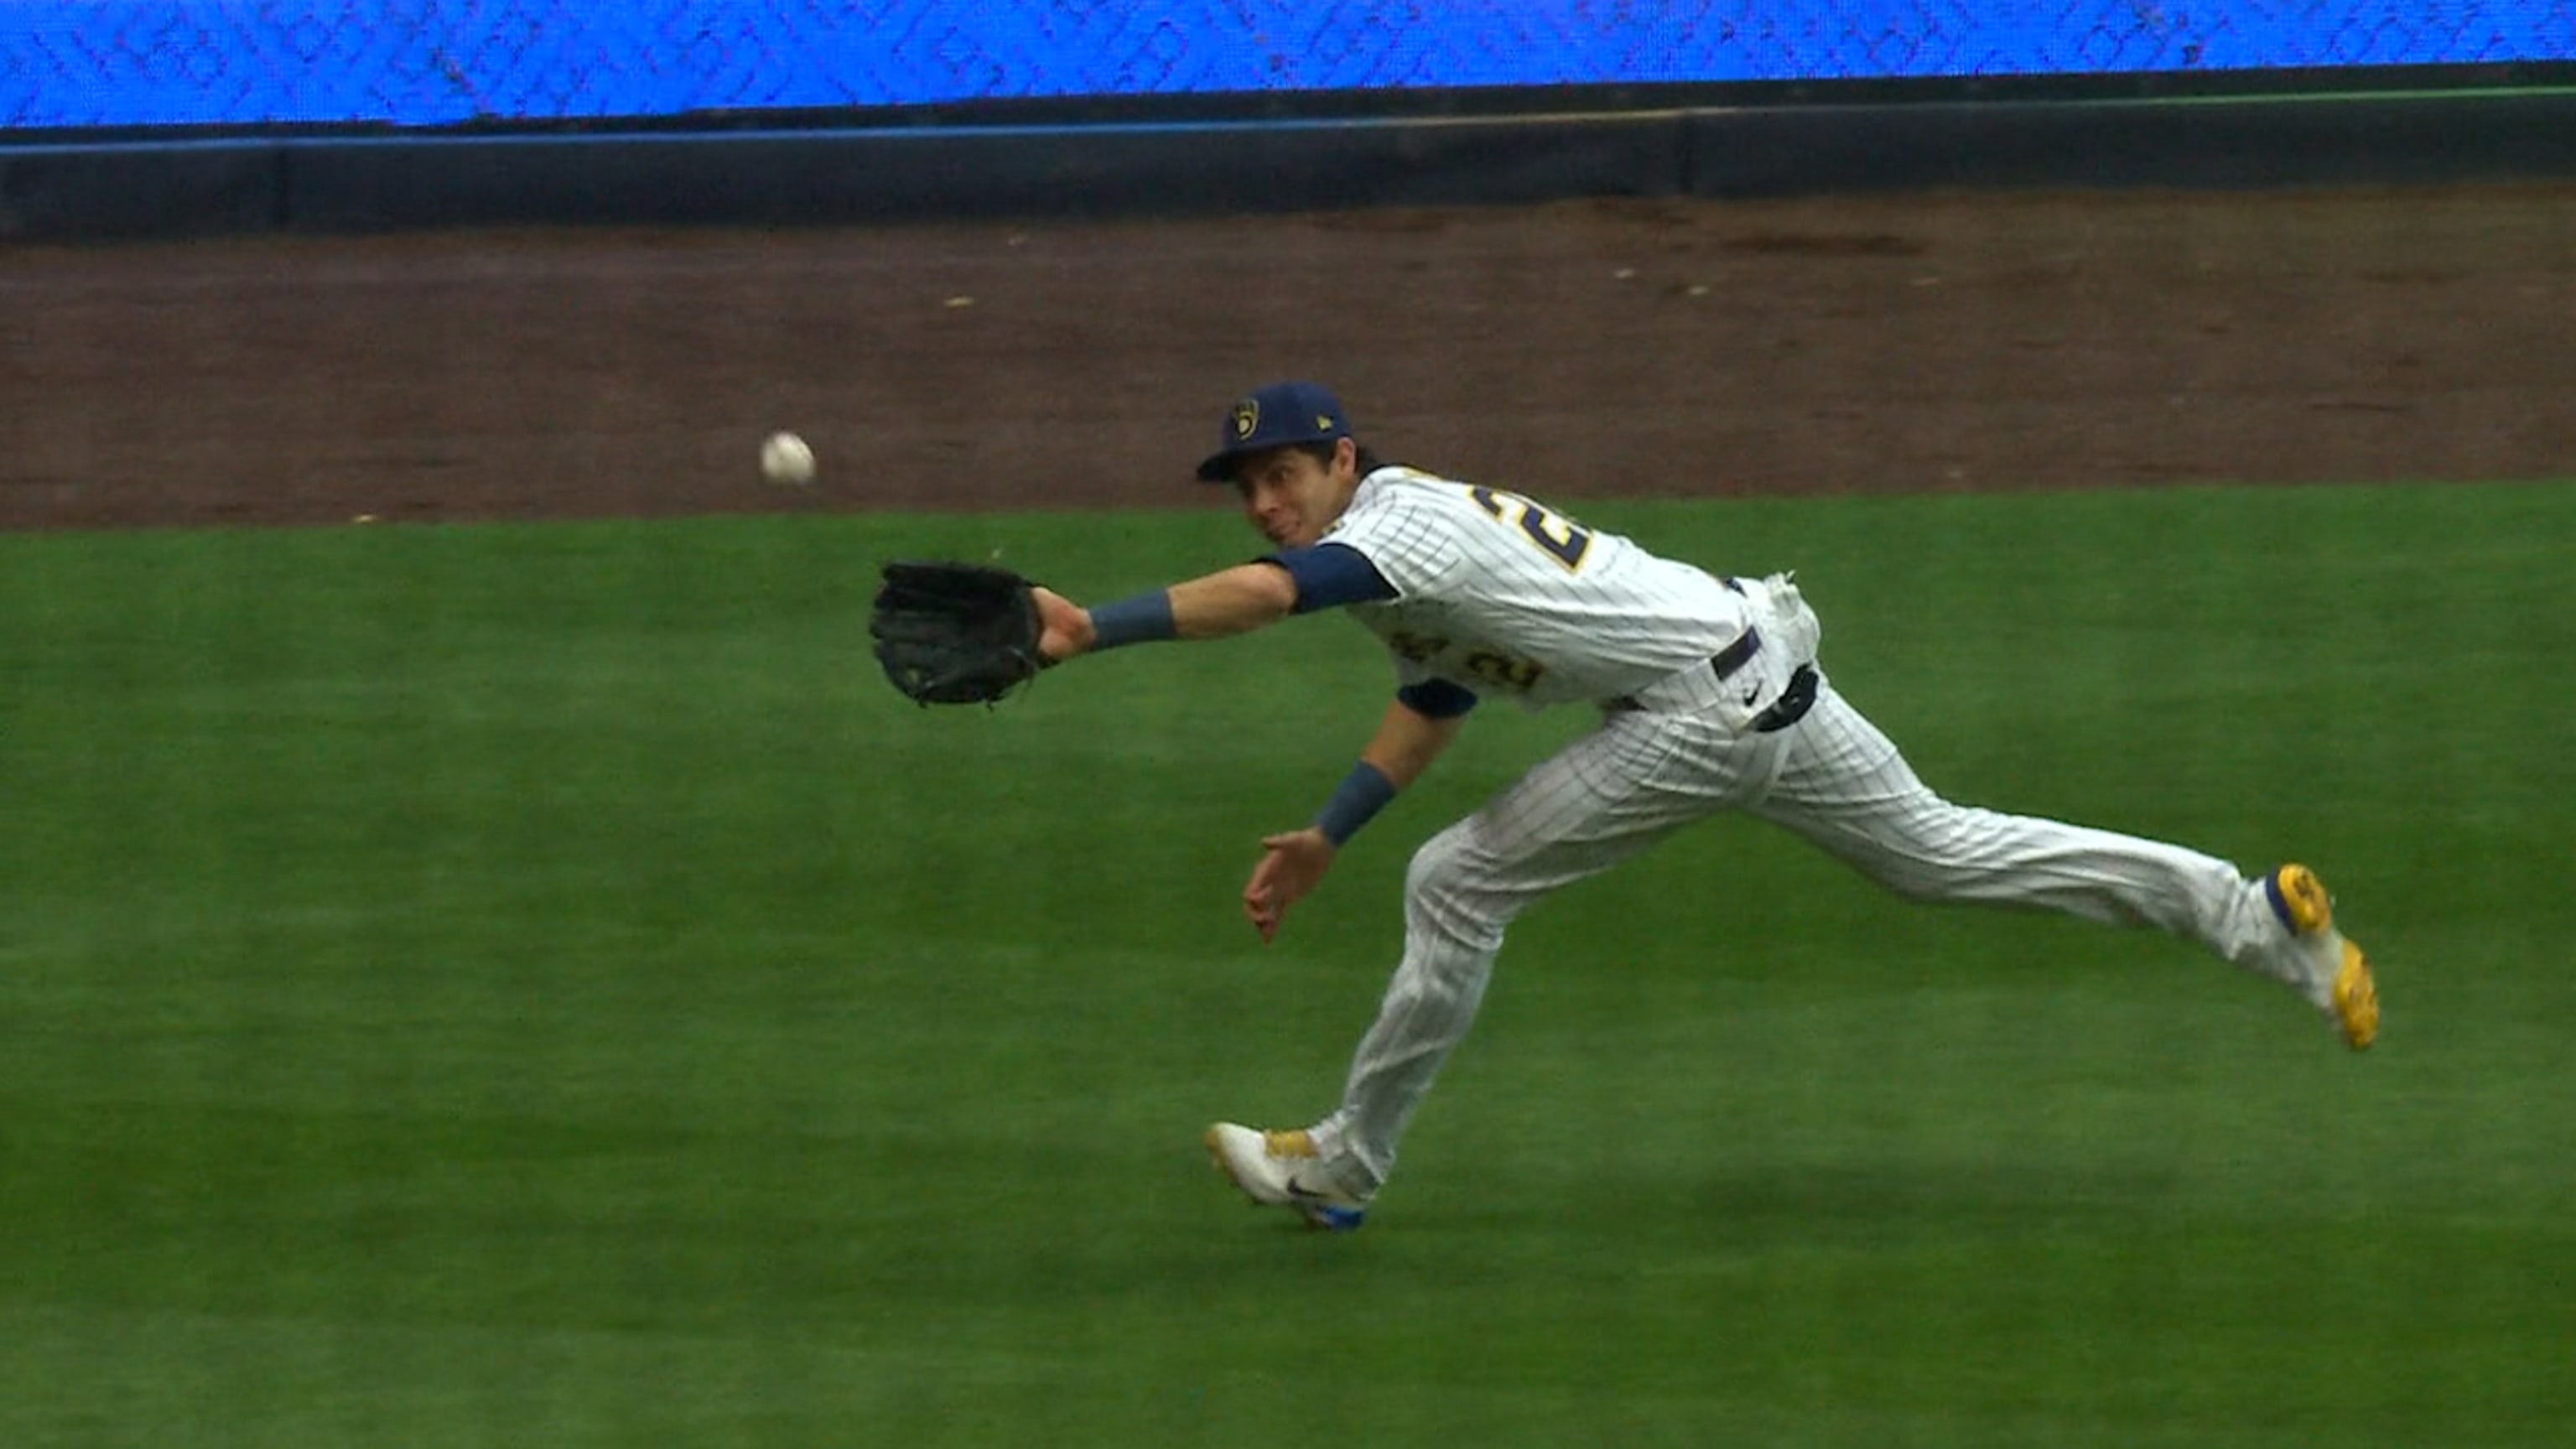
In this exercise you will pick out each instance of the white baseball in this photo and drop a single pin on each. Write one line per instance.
(785, 458)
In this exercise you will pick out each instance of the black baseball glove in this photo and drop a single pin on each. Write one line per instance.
(956, 633)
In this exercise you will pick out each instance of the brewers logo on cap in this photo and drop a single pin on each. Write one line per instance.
(1282, 415)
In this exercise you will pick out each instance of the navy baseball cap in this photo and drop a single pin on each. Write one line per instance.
(1278, 416)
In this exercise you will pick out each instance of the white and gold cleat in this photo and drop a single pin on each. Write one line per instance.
(1283, 1169)
(2336, 973)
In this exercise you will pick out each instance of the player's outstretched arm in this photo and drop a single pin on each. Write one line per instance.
(1233, 601)
(1294, 862)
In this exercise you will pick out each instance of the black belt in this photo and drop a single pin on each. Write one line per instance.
(1794, 701)
(1796, 698)
(1738, 654)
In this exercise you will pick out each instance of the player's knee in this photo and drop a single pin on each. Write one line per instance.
(1443, 890)
(1928, 877)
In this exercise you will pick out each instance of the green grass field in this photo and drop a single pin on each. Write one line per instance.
(537, 985)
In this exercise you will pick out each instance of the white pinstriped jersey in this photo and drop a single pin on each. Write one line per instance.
(1507, 597)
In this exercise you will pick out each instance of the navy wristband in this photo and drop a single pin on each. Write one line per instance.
(1140, 620)
(1364, 792)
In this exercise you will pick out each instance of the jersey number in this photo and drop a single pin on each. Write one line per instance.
(1488, 667)
(1501, 671)
(1559, 536)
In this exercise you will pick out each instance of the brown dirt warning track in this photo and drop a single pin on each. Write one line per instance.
(1626, 348)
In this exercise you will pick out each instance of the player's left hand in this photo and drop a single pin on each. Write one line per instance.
(1292, 865)
(1066, 625)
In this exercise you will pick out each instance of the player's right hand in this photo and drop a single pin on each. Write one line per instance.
(1292, 865)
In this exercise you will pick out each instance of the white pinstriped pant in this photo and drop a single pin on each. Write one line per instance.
(1833, 778)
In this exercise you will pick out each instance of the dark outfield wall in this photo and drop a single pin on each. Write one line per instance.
(794, 177)
(159, 117)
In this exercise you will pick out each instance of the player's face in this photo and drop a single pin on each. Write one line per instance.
(1292, 496)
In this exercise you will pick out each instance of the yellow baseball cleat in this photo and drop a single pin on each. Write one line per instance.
(1283, 1169)
(2335, 973)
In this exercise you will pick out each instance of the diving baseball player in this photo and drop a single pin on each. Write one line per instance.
(1711, 699)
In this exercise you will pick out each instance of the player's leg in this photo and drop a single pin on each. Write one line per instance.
(1600, 801)
(1844, 785)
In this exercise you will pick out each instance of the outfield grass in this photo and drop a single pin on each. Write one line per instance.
(537, 985)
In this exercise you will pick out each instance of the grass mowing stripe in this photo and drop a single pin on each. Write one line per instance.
(473, 984)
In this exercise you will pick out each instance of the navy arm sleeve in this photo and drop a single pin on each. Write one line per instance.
(1329, 575)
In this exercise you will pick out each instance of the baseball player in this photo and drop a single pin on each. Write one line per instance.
(1711, 698)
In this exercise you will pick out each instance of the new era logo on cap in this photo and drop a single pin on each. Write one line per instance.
(1277, 416)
